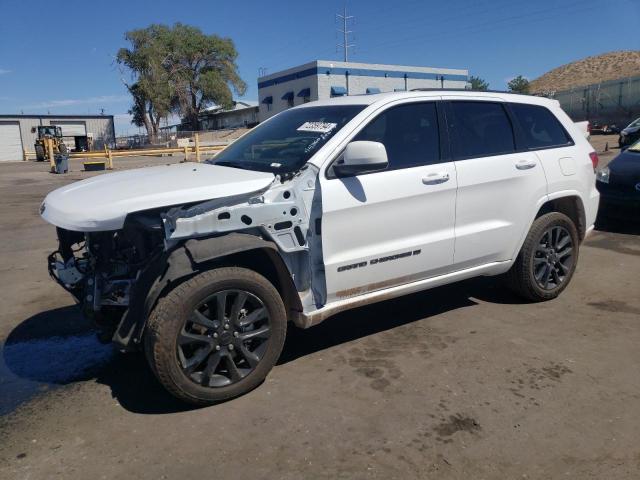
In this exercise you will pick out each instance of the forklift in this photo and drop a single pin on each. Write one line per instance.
(49, 132)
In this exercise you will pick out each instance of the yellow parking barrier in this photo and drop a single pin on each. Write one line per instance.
(110, 154)
(52, 159)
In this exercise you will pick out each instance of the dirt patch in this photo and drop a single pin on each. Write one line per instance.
(526, 386)
(457, 423)
(375, 358)
(615, 306)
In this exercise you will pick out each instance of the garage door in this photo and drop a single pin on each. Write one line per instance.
(10, 143)
(72, 129)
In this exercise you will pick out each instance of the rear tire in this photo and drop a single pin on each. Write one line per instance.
(216, 336)
(548, 258)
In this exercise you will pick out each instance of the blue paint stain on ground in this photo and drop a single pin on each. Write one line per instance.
(29, 366)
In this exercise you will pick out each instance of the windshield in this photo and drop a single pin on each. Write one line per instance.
(287, 142)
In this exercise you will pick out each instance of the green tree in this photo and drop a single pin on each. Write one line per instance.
(519, 85)
(152, 91)
(478, 83)
(178, 69)
(203, 70)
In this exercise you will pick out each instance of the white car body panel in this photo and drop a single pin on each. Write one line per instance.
(488, 226)
(375, 216)
(101, 203)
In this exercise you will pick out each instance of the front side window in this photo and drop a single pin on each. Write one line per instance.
(409, 133)
(480, 129)
(288, 141)
(540, 127)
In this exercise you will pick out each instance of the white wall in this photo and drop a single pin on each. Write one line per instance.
(321, 83)
(277, 91)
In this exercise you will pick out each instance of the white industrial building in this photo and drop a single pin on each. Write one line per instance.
(323, 79)
(19, 132)
(243, 114)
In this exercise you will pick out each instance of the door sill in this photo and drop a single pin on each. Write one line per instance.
(306, 320)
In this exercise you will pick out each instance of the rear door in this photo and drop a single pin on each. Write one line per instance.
(498, 186)
(395, 226)
(543, 133)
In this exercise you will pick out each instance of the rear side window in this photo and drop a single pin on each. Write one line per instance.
(480, 129)
(540, 127)
(409, 133)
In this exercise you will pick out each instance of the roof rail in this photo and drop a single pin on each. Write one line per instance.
(466, 90)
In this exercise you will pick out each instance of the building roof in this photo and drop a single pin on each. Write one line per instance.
(318, 67)
(55, 116)
(357, 65)
(237, 105)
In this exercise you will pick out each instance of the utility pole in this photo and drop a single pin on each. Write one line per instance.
(345, 45)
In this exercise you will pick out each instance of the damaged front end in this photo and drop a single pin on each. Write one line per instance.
(99, 268)
(117, 276)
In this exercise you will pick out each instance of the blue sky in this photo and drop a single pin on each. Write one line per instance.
(62, 61)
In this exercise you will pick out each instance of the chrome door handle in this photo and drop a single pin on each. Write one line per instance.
(525, 165)
(435, 178)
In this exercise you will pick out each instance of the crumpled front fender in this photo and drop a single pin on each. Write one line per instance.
(186, 260)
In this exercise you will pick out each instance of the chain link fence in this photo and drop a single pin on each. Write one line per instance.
(613, 102)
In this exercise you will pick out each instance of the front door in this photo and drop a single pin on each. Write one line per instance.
(395, 226)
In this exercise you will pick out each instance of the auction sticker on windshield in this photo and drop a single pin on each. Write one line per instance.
(317, 127)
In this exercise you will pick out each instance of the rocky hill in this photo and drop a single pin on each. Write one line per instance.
(596, 69)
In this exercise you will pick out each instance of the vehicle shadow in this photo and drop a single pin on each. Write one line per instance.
(607, 222)
(59, 347)
(371, 319)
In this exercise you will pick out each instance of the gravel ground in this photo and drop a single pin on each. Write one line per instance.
(464, 381)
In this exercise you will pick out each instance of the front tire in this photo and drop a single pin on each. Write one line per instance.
(546, 263)
(217, 335)
(40, 155)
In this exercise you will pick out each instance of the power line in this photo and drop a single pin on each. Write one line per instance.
(520, 20)
(345, 45)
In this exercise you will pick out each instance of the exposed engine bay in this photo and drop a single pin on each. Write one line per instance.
(111, 273)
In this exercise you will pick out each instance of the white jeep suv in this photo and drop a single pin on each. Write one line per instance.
(322, 208)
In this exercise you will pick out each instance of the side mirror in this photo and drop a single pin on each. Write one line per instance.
(361, 157)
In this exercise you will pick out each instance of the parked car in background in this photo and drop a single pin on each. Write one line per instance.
(597, 128)
(619, 185)
(322, 208)
(630, 134)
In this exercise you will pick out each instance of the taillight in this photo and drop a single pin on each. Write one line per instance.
(594, 159)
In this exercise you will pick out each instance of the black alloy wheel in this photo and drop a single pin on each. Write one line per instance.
(217, 335)
(553, 258)
(224, 339)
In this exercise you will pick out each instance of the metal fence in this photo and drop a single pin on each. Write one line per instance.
(613, 102)
(191, 150)
(168, 138)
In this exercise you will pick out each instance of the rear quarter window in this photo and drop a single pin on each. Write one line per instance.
(540, 128)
